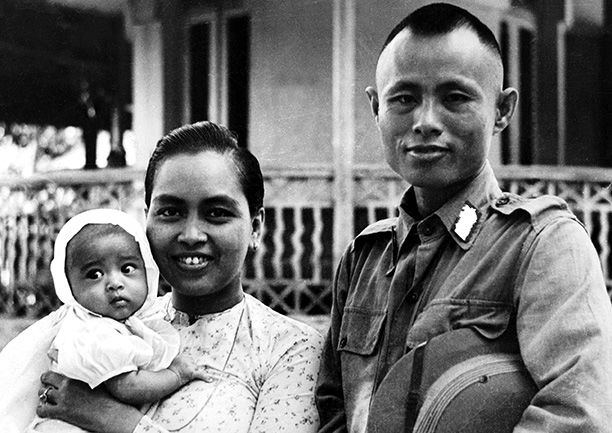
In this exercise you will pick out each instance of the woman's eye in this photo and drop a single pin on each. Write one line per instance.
(218, 213)
(168, 212)
(93, 274)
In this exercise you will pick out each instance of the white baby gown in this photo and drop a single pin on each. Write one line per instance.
(83, 344)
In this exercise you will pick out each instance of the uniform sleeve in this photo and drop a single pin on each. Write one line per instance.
(286, 399)
(329, 393)
(95, 353)
(564, 327)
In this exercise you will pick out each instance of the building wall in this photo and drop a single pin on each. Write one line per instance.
(290, 96)
(291, 82)
(292, 79)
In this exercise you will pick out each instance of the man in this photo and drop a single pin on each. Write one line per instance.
(462, 253)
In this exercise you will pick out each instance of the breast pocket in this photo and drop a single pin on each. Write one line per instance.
(489, 318)
(360, 330)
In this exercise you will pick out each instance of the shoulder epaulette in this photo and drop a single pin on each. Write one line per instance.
(540, 209)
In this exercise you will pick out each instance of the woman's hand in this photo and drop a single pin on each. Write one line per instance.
(75, 402)
(187, 370)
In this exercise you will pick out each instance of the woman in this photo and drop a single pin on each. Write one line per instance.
(204, 198)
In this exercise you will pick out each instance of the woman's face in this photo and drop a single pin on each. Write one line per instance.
(199, 226)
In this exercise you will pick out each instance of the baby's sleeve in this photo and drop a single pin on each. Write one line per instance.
(94, 354)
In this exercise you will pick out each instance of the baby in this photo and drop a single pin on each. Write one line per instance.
(111, 333)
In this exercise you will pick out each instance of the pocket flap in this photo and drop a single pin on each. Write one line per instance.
(360, 330)
(489, 318)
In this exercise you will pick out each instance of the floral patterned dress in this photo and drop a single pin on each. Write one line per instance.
(261, 372)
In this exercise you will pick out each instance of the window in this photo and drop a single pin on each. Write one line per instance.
(526, 49)
(218, 69)
(516, 37)
(238, 38)
(199, 70)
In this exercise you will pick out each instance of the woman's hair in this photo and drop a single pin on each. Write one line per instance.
(207, 136)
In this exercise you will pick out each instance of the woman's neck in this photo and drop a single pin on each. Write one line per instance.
(206, 304)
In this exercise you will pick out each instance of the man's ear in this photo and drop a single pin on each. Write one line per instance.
(506, 104)
(373, 97)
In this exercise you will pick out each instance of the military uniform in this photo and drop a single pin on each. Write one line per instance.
(491, 261)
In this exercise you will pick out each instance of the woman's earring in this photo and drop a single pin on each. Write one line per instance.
(254, 245)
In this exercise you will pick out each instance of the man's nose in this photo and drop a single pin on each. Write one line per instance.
(193, 231)
(427, 120)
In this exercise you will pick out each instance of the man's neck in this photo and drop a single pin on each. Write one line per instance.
(429, 200)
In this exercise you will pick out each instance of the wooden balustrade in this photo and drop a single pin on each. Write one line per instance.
(293, 269)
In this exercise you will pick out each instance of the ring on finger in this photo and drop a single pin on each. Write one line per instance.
(44, 396)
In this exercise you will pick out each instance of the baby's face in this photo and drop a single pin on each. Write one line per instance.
(106, 273)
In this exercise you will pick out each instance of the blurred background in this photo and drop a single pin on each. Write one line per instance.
(87, 88)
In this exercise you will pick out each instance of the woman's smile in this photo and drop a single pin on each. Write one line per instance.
(199, 224)
(193, 262)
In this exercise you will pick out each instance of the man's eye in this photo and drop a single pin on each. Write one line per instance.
(404, 100)
(457, 98)
(93, 274)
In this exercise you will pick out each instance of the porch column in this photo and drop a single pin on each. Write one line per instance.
(145, 29)
(343, 122)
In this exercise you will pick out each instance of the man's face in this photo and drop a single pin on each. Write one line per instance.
(437, 106)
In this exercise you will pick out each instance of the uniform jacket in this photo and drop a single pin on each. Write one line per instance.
(488, 260)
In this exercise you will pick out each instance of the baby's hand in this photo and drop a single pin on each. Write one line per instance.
(185, 369)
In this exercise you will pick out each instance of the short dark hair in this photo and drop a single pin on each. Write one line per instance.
(92, 231)
(442, 18)
(208, 136)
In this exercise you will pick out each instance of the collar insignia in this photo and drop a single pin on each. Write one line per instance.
(466, 221)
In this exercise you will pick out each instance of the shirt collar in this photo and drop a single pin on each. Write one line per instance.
(475, 195)
(407, 216)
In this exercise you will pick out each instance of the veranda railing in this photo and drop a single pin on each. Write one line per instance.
(293, 269)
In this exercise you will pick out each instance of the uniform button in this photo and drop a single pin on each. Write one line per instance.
(502, 201)
(413, 297)
(343, 342)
